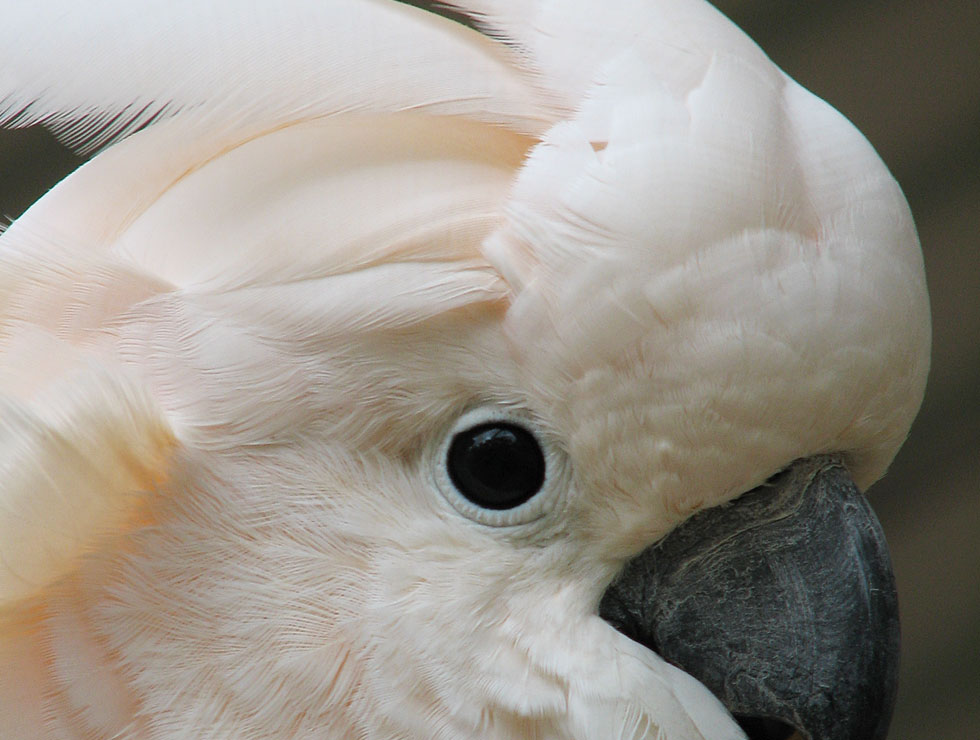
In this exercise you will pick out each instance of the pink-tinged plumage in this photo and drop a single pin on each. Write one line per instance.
(233, 343)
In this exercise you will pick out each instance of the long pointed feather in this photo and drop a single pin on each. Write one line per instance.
(98, 70)
(567, 45)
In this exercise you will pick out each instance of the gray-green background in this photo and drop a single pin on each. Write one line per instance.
(907, 72)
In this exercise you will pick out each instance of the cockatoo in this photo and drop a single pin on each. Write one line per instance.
(387, 377)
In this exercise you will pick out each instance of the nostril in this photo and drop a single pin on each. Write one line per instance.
(765, 728)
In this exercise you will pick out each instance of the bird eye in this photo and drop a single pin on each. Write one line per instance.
(501, 466)
(496, 465)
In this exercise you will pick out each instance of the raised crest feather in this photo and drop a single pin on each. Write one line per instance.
(99, 70)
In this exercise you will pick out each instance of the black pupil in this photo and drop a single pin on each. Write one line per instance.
(496, 465)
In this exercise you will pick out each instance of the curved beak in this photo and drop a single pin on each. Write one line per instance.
(782, 603)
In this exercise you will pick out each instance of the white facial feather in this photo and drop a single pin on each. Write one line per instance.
(253, 324)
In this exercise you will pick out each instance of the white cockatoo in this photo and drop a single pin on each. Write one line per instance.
(382, 377)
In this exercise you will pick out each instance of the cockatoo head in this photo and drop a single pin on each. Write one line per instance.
(370, 364)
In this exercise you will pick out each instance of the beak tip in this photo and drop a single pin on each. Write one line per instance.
(783, 604)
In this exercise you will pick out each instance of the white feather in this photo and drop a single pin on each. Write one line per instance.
(236, 340)
(100, 70)
(74, 463)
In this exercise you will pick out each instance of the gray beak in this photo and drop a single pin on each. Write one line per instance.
(782, 603)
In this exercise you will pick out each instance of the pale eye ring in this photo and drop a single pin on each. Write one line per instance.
(499, 466)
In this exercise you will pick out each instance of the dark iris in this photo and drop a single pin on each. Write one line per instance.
(496, 465)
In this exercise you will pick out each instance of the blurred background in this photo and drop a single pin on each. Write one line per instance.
(908, 74)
